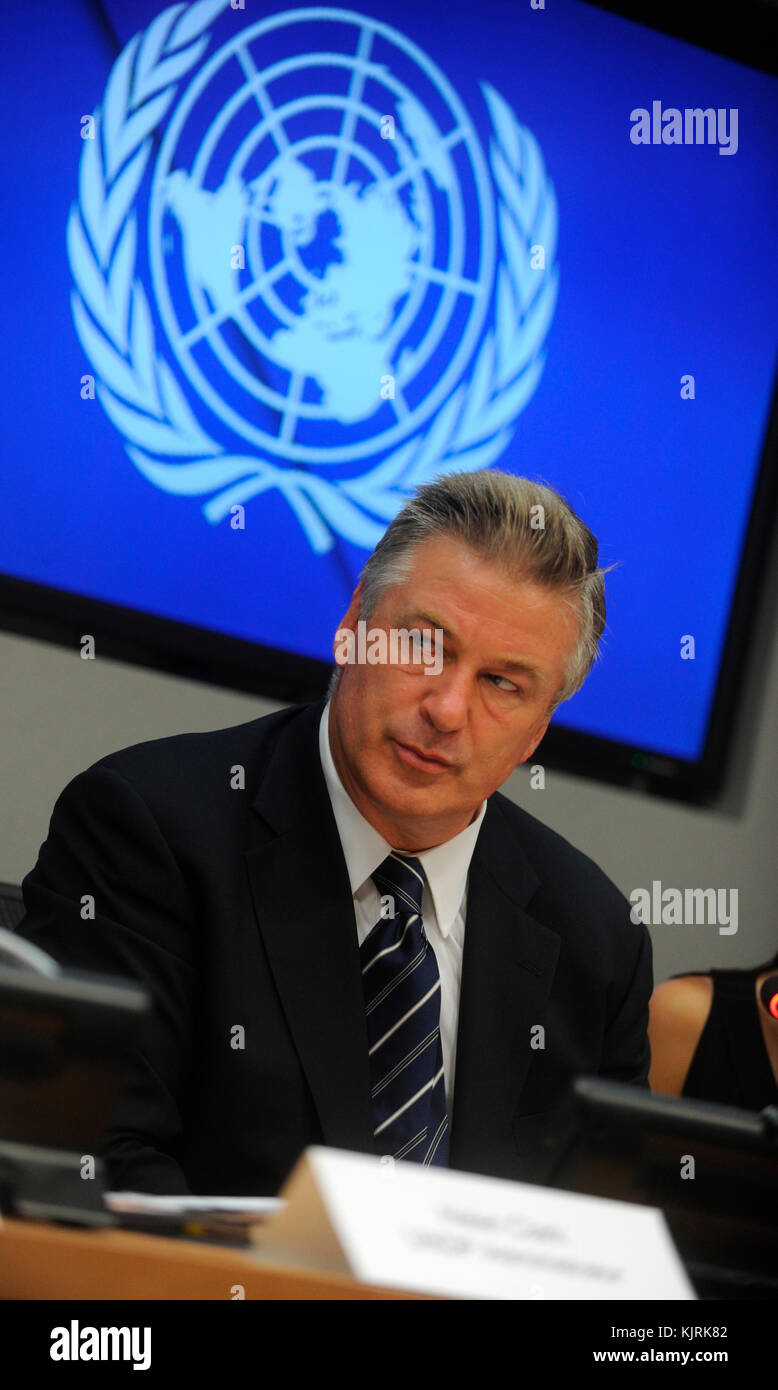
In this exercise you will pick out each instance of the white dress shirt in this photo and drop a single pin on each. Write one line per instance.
(444, 899)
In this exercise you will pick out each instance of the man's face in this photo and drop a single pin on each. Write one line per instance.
(419, 752)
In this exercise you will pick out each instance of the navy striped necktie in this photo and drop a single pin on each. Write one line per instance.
(401, 985)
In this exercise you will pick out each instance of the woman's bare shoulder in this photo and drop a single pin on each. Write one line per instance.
(686, 995)
(678, 1012)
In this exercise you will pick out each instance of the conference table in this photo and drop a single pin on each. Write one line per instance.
(47, 1260)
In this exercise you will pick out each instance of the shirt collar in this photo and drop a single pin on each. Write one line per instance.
(446, 866)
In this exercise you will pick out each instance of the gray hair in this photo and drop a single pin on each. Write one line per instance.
(525, 527)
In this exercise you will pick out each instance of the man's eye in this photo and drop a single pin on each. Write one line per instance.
(506, 684)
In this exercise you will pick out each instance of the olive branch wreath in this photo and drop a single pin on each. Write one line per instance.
(137, 388)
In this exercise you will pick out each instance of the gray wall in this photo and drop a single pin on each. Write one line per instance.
(59, 714)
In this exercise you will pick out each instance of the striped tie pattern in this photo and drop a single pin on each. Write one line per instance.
(401, 985)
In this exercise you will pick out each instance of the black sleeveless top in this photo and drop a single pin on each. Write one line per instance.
(730, 1064)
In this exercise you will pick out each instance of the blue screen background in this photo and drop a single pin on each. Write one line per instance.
(666, 262)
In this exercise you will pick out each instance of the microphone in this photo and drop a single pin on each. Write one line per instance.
(769, 995)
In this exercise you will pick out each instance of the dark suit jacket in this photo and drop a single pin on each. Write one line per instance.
(233, 907)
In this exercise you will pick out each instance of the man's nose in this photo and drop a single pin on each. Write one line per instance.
(447, 701)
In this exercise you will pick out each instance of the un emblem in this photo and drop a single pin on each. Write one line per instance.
(315, 281)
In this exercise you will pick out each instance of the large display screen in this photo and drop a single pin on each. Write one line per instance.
(268, 266)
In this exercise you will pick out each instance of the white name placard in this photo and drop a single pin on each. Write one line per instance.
(432, 1230)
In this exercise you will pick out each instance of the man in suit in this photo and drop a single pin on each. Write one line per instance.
(283, 887)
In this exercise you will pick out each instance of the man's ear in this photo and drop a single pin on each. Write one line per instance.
(351, 614)
(348, 625)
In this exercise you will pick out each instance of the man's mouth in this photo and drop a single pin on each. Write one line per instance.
(416, 757)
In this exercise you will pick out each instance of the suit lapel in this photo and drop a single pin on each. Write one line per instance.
(303, 903)
(507, 970)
